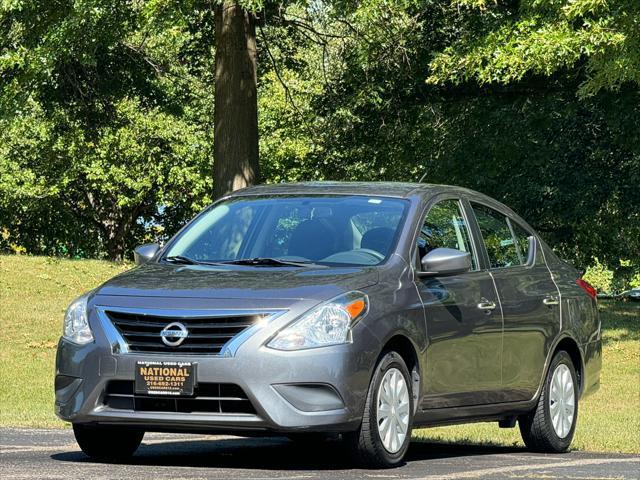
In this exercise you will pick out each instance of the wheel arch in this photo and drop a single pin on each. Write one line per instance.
(569, 345)
(402, 345)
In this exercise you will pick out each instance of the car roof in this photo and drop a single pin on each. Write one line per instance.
(385, 189)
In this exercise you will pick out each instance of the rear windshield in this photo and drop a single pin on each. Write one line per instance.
(334, 230)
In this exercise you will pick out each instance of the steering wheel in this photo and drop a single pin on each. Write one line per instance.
(360, 256)
(374, 253)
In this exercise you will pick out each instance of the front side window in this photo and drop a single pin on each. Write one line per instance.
(445, 227)
(336, 230)
(498, 237)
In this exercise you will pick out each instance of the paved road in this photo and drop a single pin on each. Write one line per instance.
(28, 454)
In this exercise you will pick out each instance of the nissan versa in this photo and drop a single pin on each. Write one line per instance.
(356, 310)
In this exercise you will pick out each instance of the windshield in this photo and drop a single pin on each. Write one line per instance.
(331, 230)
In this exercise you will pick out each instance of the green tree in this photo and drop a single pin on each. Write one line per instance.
(104, 127)
(107, 112)
(115, 101)
(570, 165)
(505, 41)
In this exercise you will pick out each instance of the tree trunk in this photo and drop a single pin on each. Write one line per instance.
(116, 229)
(236, 108)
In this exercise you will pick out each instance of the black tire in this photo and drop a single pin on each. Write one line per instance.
(365, 443)
(537, 428)
(107, 443)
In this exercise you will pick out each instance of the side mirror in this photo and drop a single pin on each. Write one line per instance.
(146, 252)
(533, 245)
(445, 261)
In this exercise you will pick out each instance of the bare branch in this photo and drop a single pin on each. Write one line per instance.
(158, 68)
(276, 70)
(308, 27)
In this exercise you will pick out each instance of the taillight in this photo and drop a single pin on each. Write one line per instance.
(587, 288)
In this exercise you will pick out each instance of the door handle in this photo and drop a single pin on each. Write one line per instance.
(486, 305)
(550, 301)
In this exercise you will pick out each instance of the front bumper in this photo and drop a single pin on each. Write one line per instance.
(312, 390)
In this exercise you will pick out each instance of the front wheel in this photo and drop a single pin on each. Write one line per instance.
(107, 443)
(550, 427)
(384, 435)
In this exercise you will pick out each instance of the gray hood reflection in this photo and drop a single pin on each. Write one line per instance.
(204, 281)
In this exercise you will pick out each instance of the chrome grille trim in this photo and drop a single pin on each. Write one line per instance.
(121, 345)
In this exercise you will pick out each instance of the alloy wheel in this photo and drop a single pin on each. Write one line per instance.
(562, 401)
(393, 410)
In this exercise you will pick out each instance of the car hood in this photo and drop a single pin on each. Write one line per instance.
(238, 282)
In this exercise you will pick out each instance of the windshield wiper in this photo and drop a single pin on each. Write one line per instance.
(268, 262)
(181, 259)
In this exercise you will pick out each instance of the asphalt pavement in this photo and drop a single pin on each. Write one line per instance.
(44, 454)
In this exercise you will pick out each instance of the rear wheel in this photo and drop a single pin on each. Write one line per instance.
(550, 427)
(384, 435)
(107, 443)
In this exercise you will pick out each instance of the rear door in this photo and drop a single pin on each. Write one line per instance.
(464, 322)
(528, 296)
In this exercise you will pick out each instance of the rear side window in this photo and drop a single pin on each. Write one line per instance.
(445, 227)
(498, 237)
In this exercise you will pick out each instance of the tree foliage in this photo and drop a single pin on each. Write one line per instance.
(507, 41)
(570, 165)
(106, 112)
(105, 126)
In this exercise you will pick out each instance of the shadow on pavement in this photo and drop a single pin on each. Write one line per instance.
(275, 454)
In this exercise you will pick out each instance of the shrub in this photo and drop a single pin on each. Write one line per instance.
(599, 276)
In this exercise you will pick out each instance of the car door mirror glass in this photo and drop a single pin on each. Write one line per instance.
(146, 252)
(445, 261)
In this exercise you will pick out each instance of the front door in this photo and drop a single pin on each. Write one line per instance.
(464, 321)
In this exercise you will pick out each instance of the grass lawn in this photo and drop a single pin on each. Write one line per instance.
(34, 292)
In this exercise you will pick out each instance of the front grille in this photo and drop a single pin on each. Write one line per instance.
(208, 398)
(207, 334)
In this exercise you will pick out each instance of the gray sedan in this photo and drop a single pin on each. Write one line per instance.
(352, 310)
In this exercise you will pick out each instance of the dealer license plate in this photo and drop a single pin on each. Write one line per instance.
(165, 378)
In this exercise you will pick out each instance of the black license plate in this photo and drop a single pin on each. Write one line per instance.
(165, 378)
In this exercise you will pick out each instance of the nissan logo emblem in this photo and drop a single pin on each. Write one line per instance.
(174, 334)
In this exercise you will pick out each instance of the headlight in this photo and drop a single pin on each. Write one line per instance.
(324, 325)
(76, 323)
